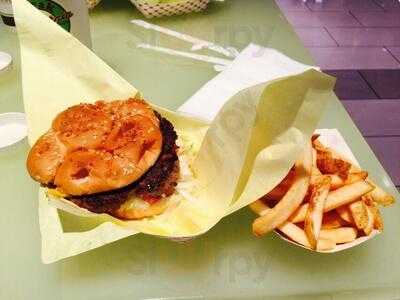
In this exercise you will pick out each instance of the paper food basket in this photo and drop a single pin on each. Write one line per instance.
(151, 9)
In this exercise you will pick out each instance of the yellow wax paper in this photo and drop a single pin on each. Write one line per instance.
(243, 153)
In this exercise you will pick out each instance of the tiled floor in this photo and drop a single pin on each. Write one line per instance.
(358, 41)
(395, 51)
(366, 31)
(354, 58)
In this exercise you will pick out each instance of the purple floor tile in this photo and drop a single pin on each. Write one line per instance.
(350, 85)
(385, 83)
(368, 113)
(378, 19)
(366, 36)
(395, 51)
(315, 37)
(387, 149)
(320, 19)
(353, 58)
(343, 5)
(292, 5)
(389, 5)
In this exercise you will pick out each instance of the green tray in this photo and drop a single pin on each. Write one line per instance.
(227, 262)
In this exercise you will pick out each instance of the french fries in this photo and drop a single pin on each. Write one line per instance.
(292, 199)
(339, 235)
(313, 219)
(369, 225)
(291, 230)
(345, 213)
(337, 181)
(315, 174)
(325, 200)
(372, 205)
(380, 196)
(332, 220)
(359, 213)
(325, 244)
(347, 194)
(336, 198)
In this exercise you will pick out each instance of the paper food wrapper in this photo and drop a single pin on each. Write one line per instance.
(254, 65)
(255, 138)
(332, 138)
(249, 69)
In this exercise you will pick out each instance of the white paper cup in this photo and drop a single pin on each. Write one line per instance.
(13, 129)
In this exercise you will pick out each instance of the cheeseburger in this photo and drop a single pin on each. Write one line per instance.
(118, 158)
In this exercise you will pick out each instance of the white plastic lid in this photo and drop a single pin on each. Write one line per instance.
(13, 128)
(5, 61)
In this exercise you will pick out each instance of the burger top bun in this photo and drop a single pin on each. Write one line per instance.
(92, 148)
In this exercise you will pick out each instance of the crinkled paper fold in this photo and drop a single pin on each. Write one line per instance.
(243, 153)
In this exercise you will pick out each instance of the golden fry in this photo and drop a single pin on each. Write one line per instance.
(259, 207)
(298, 235)
(378, 220)
(359, 213)
(292, 199)
(315, 174)
(358, 176)
(380, 196)
(292, 231)
(313, 219)
(338, 182)
(314, 158)
(369, 226)
(325, 244)
(336, 198)
(339, 235)
(295, 233)
(289, 229)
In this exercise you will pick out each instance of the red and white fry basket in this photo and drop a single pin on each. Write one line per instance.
(151, 10)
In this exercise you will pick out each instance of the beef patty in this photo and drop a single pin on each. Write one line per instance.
(158, 182)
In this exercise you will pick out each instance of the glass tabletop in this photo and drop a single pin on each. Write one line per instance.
(227, 262)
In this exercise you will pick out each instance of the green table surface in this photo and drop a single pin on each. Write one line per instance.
(227, 262)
